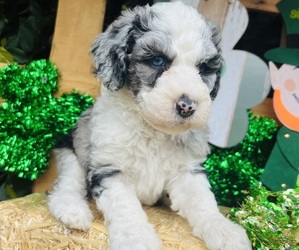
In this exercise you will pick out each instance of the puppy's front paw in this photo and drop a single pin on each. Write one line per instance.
(128, 237)
(222, 234)
(72, 211)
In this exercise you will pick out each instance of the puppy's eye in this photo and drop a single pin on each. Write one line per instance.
(157, 61)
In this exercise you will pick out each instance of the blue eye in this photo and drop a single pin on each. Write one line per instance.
(157, 61)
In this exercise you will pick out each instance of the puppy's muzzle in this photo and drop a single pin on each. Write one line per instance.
(185, 106)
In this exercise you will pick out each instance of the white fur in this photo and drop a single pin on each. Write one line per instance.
(69, 192)
(172, 83)
(135, 148)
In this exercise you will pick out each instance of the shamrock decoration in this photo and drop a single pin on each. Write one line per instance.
(32, 119)
(239, 90)
(232, 171)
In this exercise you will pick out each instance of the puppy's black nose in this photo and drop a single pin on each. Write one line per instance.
(185, 106)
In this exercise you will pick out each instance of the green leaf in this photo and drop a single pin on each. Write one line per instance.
(3, 42)
(12, 42)
(5, 56)
(37, 13)
(19, 55)
(27, 33)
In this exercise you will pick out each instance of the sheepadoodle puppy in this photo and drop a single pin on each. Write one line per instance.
(145, 138)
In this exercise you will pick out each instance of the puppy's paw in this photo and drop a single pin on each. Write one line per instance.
(222, 234)
(71, 210)
(128, 237)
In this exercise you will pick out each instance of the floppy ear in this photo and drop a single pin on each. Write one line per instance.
(111, 49)
(216, 39)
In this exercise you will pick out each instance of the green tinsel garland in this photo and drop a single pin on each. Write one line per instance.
(31, 118)
(270, 218)
(232, 171)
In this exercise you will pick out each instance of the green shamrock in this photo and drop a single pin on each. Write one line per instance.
(32, 119)
(232, 171)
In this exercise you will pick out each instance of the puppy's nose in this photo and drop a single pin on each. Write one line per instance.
(185, 106)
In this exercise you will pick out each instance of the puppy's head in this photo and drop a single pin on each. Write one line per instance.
(169, 57)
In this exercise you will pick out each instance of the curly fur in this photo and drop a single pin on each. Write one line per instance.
(139, 143)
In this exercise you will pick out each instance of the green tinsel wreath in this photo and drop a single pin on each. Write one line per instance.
(232, 171)
(32, 119)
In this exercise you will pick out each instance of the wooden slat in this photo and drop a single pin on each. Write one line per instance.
(214, 10)
(45, 182)
(77, 24)
(261, 5)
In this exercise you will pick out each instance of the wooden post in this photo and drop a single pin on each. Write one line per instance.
(77, 24)
(214, 10)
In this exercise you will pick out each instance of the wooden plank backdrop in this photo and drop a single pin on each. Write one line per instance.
(214, 10)
(77, 24)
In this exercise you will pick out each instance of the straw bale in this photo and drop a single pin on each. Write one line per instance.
(26, 224)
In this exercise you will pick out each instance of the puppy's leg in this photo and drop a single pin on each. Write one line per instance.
(191, 196)
(126, 221)
(67, 201)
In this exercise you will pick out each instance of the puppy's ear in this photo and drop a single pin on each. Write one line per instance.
(111, 49)
(216, 39)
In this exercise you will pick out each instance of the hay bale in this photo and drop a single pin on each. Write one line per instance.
(25, 223)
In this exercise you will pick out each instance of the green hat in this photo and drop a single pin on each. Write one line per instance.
(289, 10)
(282, 168)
